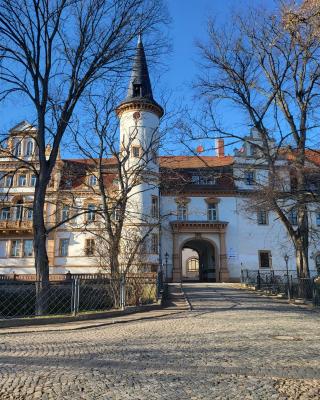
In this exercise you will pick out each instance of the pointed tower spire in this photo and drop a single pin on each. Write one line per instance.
(139, 89)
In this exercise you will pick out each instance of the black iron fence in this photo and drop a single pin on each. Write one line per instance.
(287, 284)
(24, 298)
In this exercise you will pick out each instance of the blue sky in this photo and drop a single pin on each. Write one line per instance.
(188, 24)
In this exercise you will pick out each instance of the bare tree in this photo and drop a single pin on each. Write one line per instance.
(268, 72)
(52, 53)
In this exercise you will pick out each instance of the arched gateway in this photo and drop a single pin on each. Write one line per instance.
(199, 261)
(206, 256)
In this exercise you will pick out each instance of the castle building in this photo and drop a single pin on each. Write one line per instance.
(197, 206)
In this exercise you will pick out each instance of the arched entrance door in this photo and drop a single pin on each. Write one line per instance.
(199, 261)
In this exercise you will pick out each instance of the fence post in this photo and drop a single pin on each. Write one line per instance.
(122, 292)
(75, 296)
(258, 280)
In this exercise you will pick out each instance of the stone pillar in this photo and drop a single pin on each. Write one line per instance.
(176, 272)
(223, 270)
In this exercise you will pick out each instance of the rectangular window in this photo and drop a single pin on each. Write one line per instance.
(154, 243)
(5, 214)
(318, 219)
(155, 207)
(182, 212)
(22, 181)
(16, 248)
(262, 217)
(29, 214)
(264, 258)
(3, 248)
(2, 178)
(212, 212)
(17, 148)
(91, 213)
(65, 213)
(93, 180)
(28, 248)
(136, 151)
(9, 181)
(293, 217)
(90, 247)
(63, 247)
(33, 180)
(117, 214)
(249, 177)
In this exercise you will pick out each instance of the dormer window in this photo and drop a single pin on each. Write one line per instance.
(136, 90)
(93, 180)
(17, 148)
(29, 150)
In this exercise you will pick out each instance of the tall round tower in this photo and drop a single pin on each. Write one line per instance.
(139, 116)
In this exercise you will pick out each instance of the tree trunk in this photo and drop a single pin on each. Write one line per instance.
(302, 259)
(40, 252)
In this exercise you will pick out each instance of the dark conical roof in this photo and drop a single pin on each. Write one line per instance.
(140, 76)
(139, 89)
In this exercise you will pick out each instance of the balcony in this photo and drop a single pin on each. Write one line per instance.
(15, 226)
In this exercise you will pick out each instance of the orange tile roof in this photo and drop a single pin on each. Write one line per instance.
(177, 162)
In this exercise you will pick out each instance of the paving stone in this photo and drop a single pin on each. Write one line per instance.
(224, 349)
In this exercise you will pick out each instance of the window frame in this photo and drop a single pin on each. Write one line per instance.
(19, 248)
(29, 153)
(249, 180)
(154, 206)
(154, 243)
(262, 217)
(25, 180)
(61, 247)
(90, 246)
(210, 208)
(23, 248)
(182, 212)
(268, 252)
(92, 180)
(135, 149)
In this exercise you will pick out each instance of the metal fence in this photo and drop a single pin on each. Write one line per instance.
(24, 298)
(281, 282)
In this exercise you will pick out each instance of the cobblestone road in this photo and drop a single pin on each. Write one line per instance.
(226, 348)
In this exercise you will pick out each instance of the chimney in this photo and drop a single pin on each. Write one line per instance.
(220, 147)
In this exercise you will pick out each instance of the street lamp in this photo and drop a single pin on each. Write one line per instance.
(166, 257)
(286, 259)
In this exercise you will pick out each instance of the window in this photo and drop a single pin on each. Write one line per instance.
(29, 214)
(33, 180)
(155, 207)
(65, 213)
(91, 213)
(249, 177)
(17, 148)
(318, 219)
(262, 217)
(90, 247)
(212, 212)
(93, 180)
(182, 212)
(16, 248)
(29, 150)
(136, 90)
(68, 183)
(22, 181)
(136, 151)
(117, 213)
(2, 178)
(5, 214)
(202, 180)
(3, 248)
(193, 264)
(63, 247)
(154, 243)
(264, 259)
(28, 248)
(293, 216)
(9, 181)
(19, 211)
(318, 264)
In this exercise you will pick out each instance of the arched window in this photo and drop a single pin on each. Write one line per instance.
(192, 264)
(29, 150)
(318, 263)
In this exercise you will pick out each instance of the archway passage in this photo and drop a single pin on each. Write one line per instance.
(198, 259)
